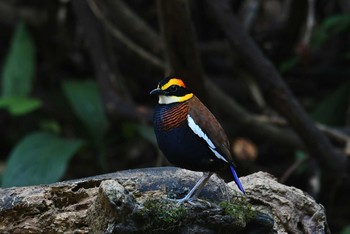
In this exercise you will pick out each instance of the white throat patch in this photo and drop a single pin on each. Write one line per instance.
(168, 99)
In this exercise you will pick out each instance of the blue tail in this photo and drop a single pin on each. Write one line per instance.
(238, 182)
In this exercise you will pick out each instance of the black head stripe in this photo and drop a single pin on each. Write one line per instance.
(180, 91)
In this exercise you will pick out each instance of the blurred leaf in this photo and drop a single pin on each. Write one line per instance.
(39, 158)
(300, 155)
(147, 132)
(130, 130)
(347, 55)
(337, 23)
(50, 126)
(20, 105)
(288, 64)
(86, 101)
(332, 110)
(345, 230)
(20, 63)
(331, 26)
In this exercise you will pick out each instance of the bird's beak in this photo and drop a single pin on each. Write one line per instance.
(156, 91)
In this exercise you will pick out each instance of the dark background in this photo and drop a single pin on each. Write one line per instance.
(76, 77)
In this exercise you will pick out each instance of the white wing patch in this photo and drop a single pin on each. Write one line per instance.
(199, 132)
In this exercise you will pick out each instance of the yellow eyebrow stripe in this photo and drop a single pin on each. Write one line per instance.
(186, 97)
(173, 81)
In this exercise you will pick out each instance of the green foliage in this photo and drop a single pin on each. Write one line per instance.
(39, 158)
(331, 26)
(17, 74)
(50, 126)
(20, 105)
(300, 156)
(163, 215)
(86, 101)
(288, 64)
(240, 210)
(345, 230)
(145, 131)
(20, 64)
(332, 110)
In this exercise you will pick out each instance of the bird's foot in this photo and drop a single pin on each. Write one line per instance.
(182, 200)
(192, 201)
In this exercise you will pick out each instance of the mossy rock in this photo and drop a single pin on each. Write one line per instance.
(236, 216)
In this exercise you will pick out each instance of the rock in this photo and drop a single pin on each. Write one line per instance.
(135, 201)
(293, 210)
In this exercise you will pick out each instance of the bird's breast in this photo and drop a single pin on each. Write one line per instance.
(171, 116)
(179, 143)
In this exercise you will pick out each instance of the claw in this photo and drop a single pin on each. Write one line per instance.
(193, 194)
(183, 200)
(193, 201)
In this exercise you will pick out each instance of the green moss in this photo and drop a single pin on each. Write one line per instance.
(163, 215)
(239, 209)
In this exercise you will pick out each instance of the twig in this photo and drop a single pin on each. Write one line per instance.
(285, 11)
(142, 53)
(180, 43)
(116, 100)
(344, 5)
(249, 12)
(310, 23)
(255, 91)
(10, 14)
(335, 134)
(329, 131)
(277, 92)
(291, 169)
(303, 48)
(248, 122)
(214, 48)
(133, 25)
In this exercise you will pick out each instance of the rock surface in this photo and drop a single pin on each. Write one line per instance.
(135, 201)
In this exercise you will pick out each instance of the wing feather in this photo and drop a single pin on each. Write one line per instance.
(207, 127)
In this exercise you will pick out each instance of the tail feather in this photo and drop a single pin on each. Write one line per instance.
(238, 182)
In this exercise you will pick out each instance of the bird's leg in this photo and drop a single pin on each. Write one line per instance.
(198, 187)
(224, 189)
(207, 176)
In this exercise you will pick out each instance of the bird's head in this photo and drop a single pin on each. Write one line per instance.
(171, 90)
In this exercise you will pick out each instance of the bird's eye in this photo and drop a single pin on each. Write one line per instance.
(173, 88)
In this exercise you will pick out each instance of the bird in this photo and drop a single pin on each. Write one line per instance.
(189, 135)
